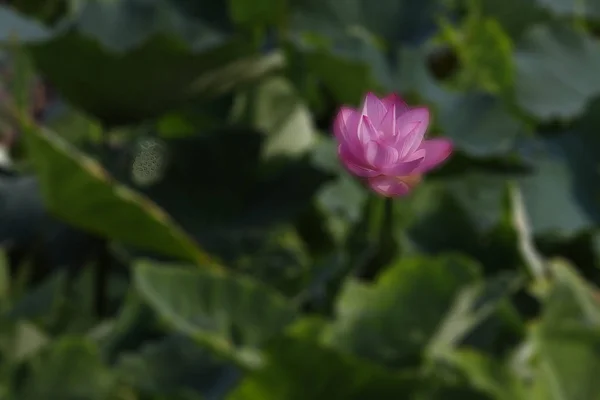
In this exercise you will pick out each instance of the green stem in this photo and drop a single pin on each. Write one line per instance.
(380, 231)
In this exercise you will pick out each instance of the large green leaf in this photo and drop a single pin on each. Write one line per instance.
(579, 8)
(46, 11)
(21, 341)
(515, 16)
(126, 88)
(278, 257)
(144, 57)
(474, 306)
(41, 301)
(567, 339)
(557, 71)
(379, 321)
(14, 26)
(71, 369)
(476, 214)
(171, 366)
(455, 214)
(301, 370)
(393, 20)
(281, 114)
(572, 301)
(480, 125)
(413, 76)
(490, 375)
(346, 67)
(78, 190)
(343, 199)
(431, 201)
(480, 195)
(232, 314)
(561, 192)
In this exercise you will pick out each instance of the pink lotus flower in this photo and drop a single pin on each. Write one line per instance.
(384, 144)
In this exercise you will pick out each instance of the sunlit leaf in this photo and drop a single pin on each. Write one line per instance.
(22, 341)
(484, 51)
(378, 321)
(283, 116)
(568, 338)
(233, 315)
(299, 369)
(491, 375)
(473, 305)
(107, 208)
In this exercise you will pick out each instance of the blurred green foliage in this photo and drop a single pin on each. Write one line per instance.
(174, 222)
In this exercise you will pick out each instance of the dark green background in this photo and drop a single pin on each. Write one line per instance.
(176, 225)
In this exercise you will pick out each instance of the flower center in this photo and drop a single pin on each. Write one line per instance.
(410, 180)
